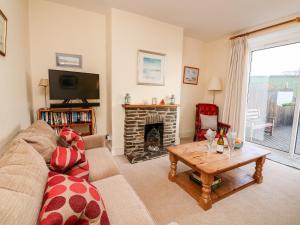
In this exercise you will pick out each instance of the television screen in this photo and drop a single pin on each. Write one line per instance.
(73, 85)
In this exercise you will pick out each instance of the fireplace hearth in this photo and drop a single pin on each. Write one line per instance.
(148, 131)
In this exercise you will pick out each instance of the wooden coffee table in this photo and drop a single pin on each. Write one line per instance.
(209, 164)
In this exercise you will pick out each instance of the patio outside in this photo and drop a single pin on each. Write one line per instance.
(271, 105)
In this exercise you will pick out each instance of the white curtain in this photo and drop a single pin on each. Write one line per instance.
(234, 85)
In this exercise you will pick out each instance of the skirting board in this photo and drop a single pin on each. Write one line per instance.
(186, 134)
(117, 151)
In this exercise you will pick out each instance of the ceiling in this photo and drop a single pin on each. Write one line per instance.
(203, 19)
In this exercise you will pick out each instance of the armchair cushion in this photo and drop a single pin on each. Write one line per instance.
(209, 122)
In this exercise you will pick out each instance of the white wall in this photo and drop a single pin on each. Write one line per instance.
(193, 55)
(59, 28)
(131, 32)
(14, 113)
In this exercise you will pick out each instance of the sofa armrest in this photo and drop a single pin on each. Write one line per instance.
(94, 141)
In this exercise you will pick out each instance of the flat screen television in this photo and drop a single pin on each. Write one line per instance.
(67, 85)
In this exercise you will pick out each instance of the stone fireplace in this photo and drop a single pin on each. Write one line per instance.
(148, 131)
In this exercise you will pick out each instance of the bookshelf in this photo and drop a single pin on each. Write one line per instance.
(77, 118)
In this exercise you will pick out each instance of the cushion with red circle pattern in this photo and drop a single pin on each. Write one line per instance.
(71, 201)
(73, 138)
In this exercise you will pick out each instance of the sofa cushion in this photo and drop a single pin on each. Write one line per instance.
(69, 200)
(81, 170)
(73, 138)
(122, 203)
(42, 138)
(65, 158)
(101, 163)
(23, 175)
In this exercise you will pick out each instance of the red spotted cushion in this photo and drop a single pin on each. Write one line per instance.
(65, 158)
(73, 138)
(71, 201)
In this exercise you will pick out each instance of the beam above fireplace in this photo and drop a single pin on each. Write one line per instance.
(149, 106)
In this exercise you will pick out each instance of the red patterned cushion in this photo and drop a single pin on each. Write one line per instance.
(73, 138)
(65, 158)
(80, 170)
(71, 201)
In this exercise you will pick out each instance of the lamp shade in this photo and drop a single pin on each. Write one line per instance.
(215, 84)
(44, 82)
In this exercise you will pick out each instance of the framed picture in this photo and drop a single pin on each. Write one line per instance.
(3, 33)
(151, 68)
(190, 75)
(68, 60)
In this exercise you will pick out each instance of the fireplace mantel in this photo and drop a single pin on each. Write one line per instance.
(148, 106)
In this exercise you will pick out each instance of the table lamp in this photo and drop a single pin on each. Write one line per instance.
(44, 83)
(214, 85)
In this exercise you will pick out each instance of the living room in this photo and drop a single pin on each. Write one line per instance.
(111, 39)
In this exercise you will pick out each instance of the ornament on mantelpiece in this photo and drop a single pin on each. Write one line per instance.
(154, 101)
(162, 102)
(127, 99)
(172, 100)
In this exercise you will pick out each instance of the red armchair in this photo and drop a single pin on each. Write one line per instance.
(207, 109)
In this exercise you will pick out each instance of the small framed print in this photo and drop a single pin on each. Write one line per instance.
(3, 33)
(68, 60)
(190, 75)
(151, 68)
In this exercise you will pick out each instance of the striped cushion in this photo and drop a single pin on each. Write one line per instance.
(73, 138)
(65, 158)
(81, 170)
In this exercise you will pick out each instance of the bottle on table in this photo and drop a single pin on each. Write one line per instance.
(220, 142)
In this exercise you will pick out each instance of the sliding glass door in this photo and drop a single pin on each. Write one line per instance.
(272, 113)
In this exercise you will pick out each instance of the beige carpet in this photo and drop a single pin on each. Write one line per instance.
(274, 202)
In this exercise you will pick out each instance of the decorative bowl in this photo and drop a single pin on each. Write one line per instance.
(238, 146)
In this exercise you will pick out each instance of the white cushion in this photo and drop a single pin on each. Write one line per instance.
(209, 122)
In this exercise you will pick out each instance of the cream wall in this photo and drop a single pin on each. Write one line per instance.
(217, 56)
(213, 60)
(129, 33)
(59, 28)
(193, 55)
(14, 113)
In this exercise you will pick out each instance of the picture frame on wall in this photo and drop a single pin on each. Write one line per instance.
(151, 68)
(3, 33)
(68, 60)
(190, 75)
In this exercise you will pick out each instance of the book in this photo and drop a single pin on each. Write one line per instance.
(195, 177)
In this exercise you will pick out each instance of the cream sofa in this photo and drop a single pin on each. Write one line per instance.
(23, 175)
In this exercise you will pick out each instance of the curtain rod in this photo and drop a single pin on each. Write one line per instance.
(297, 20)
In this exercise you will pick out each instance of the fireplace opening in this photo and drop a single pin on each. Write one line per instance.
(153, 138)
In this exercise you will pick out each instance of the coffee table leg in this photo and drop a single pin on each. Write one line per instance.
(173, 167)
(258, 170)
(205, 200)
